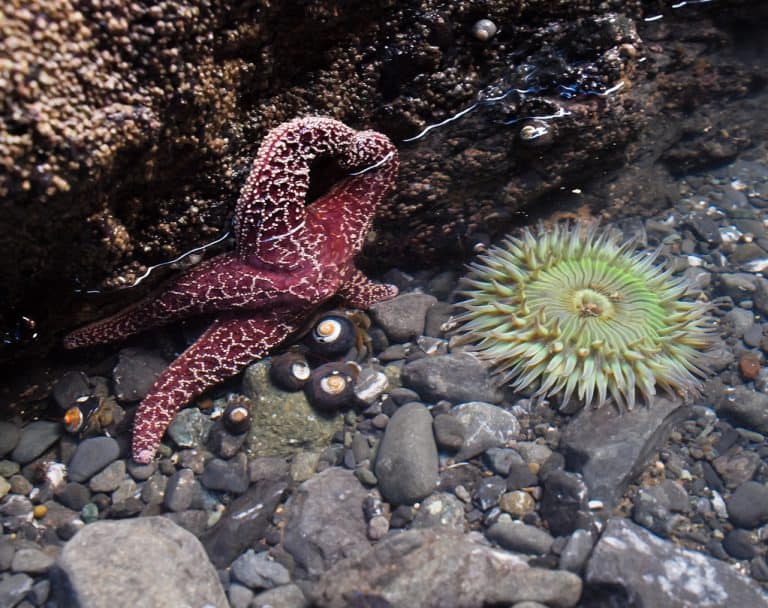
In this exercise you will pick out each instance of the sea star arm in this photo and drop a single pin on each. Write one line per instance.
(228, 345)
(220, 284)
(270, 216)
(358, 291)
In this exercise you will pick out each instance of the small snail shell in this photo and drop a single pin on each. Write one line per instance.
(484, 29)
(76, 417)
(535, 134)
(331, 386)
(290, 371)
(237, 418)
(332, 336)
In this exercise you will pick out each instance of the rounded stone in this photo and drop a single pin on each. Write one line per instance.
(748, 505)
(517, 503)
(407, 461)
(516, 536)
(9, 437)
(740, 544)
(91, 456)
(149, 561)
(35, 438)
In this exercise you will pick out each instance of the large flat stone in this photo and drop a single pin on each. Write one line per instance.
(610, 448)
(134, 563)
(656, 572)
(442, 569)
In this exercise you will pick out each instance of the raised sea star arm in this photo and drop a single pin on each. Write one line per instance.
(219, 284)
(225, 348)
(270, 216)
(358, 291)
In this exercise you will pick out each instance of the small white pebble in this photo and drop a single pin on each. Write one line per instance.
(718, 504)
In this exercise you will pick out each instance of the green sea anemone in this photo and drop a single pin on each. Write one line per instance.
(572, 311)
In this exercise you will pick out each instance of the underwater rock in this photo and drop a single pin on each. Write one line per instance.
(610, 448)
(284, 423)
(136, 372)
(406, 464)
(168, 566)
(438, 568)
(325, 522)
(659, 573)
(184, 88)
(455, 377)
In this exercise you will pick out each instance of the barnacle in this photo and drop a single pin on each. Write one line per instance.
(572, 311)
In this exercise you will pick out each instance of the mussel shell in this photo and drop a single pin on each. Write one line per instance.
(237, 418)
(331, 386)
(332, 336)
(289, 371)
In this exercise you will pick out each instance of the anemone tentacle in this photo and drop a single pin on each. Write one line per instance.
(572, 311)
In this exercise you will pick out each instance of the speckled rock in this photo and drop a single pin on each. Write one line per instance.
(169, 562)
(442, 569)
(402, 318)
(325, 521)
(258, 571)
(486, 426)
(610, 448)
(406, 464)
(659, 573)
(284, 423)
(441, 510)
(456, 377)
(135, 373)
(190, 428)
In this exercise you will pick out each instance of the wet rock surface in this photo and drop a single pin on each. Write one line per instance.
(325, 521)
(407, 462)
(452, 570)
(552, 505)
(657, 573)
(169, 561)
(609, 448)
(461, 186)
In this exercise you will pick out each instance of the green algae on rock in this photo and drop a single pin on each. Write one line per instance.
(572, 311)
(284, 423)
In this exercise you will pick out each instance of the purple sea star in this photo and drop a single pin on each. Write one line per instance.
(289, 257)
